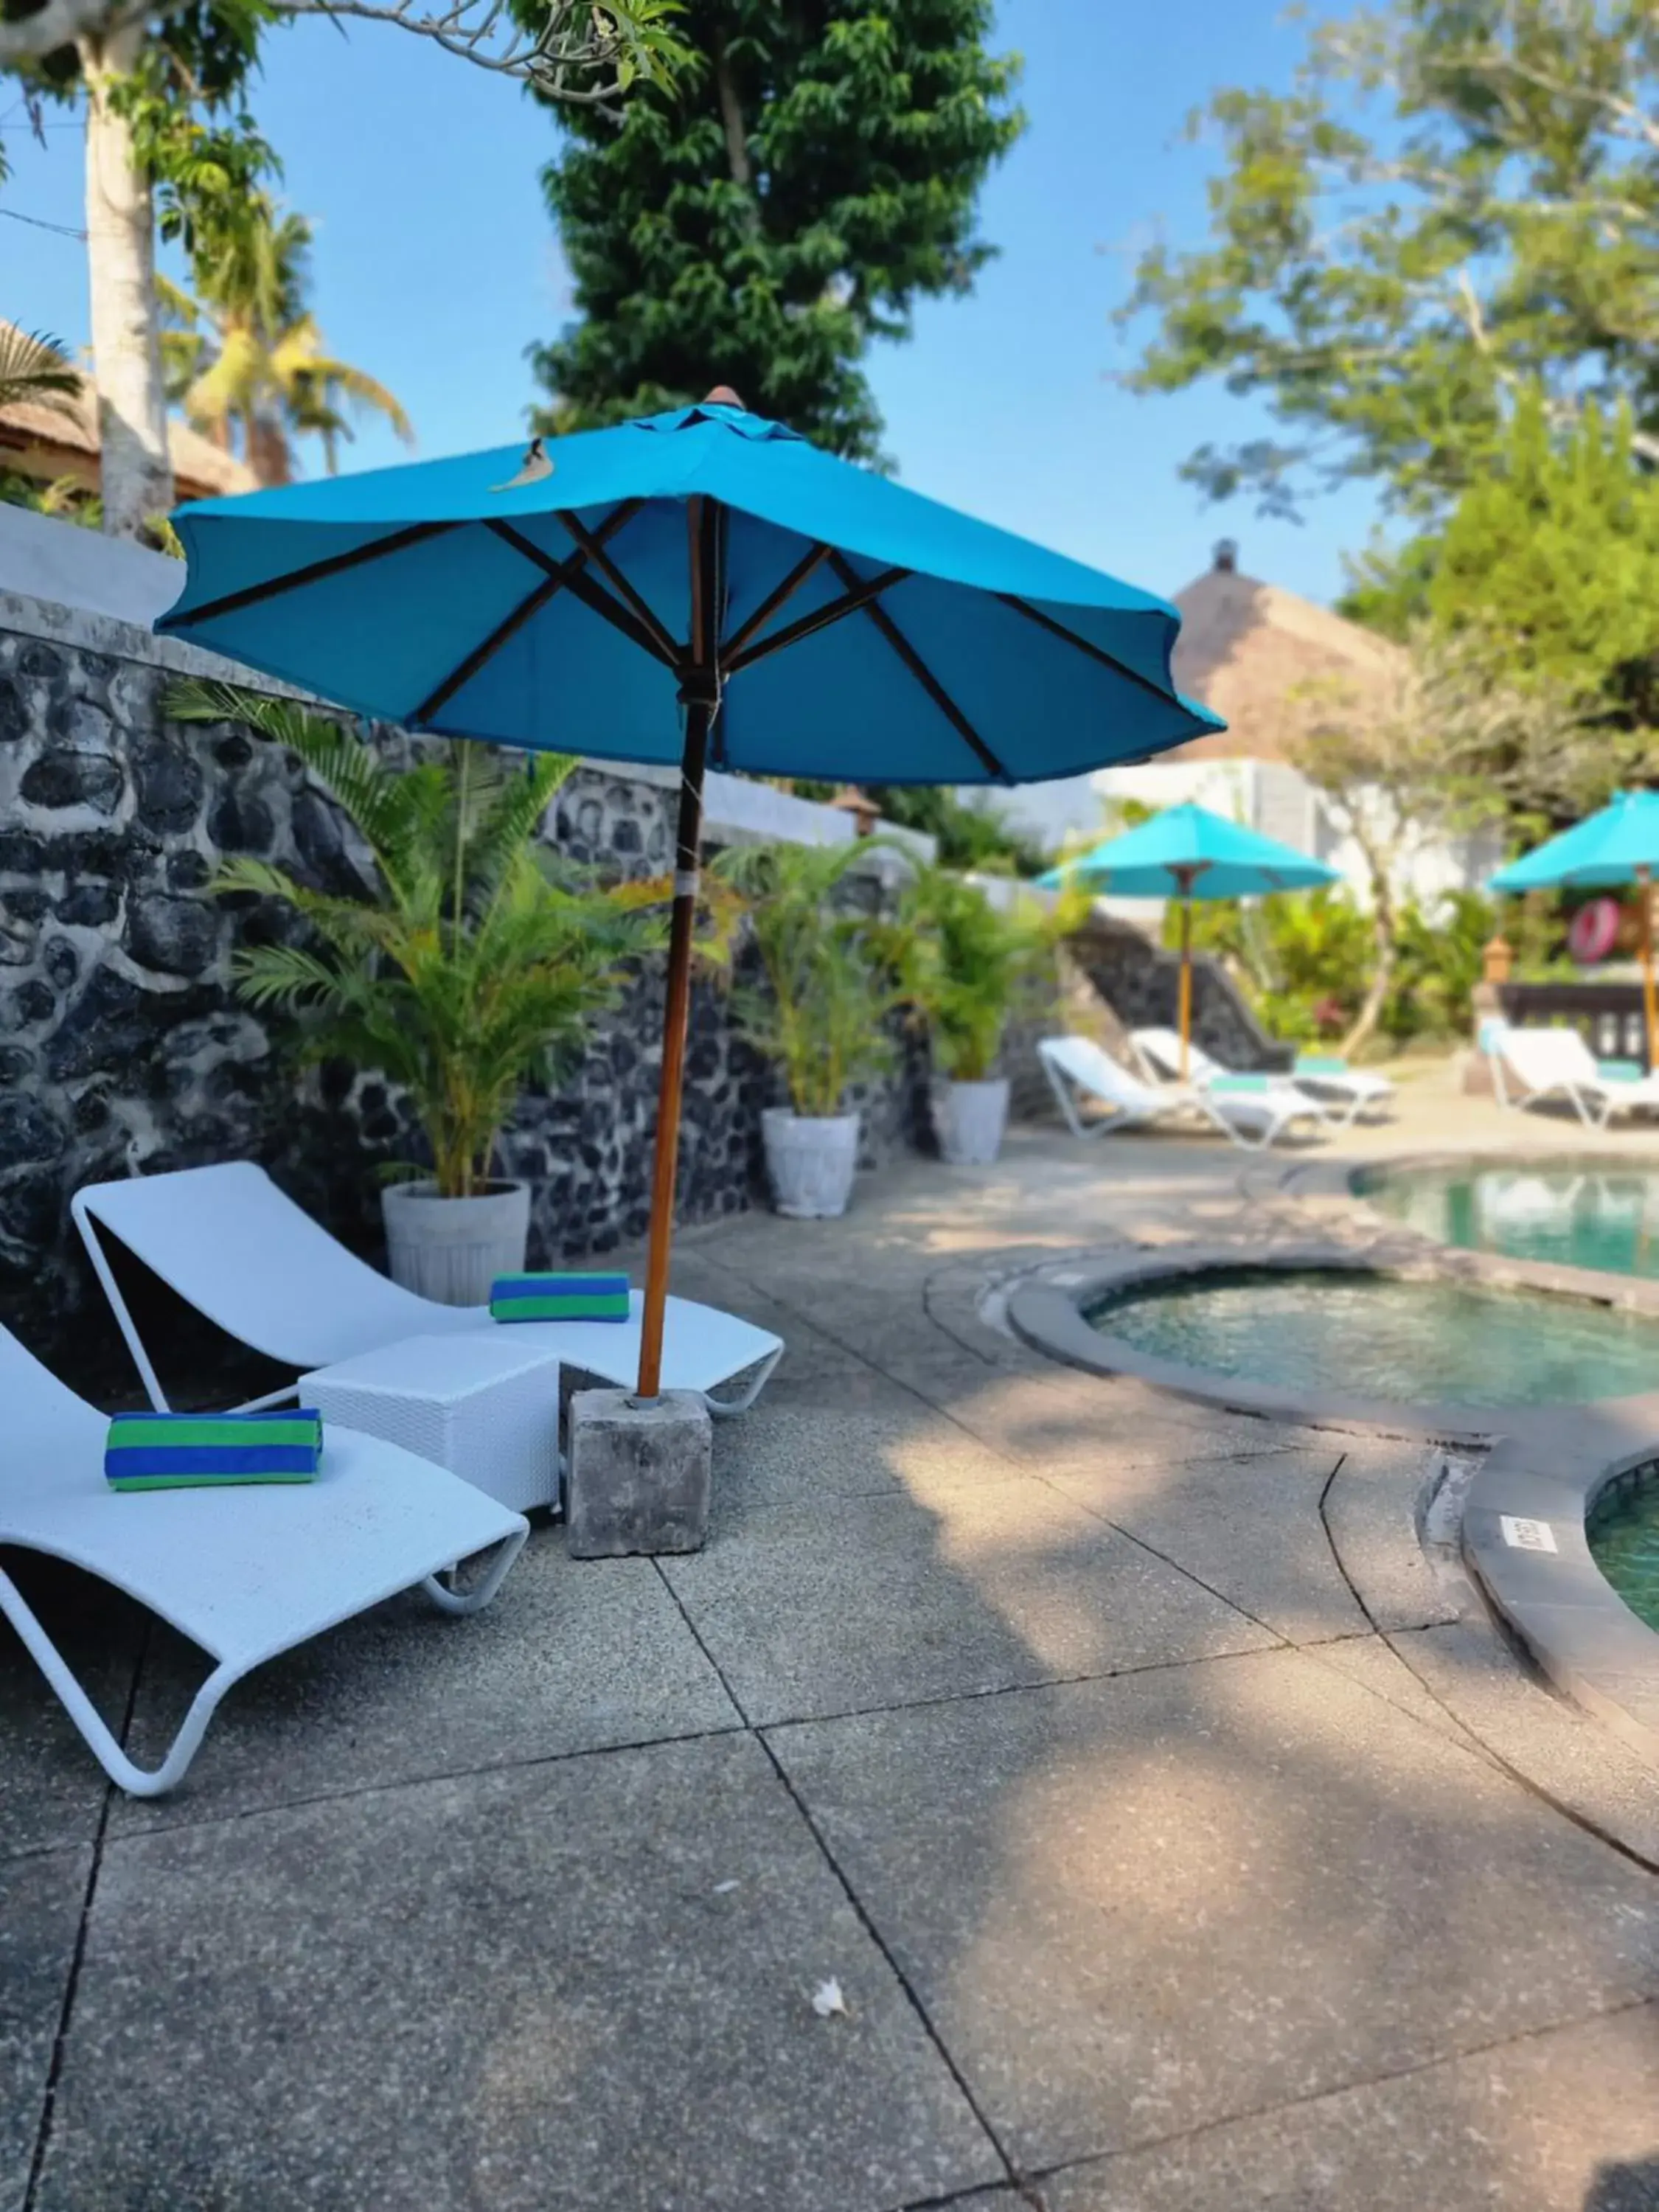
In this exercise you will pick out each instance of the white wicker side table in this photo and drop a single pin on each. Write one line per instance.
(482, 1403)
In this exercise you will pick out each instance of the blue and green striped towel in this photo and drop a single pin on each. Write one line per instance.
(1619, 1070)
(559, 1298)
(1320, 1063)
(200, 1451)
(1236, 1083)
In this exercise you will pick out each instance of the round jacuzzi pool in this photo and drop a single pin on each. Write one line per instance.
(1575, 1214)
(1623, 1531)
(1385, 1338)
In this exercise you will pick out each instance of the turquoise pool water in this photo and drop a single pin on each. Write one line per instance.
(1624, 1539)
(1359, 1335)
(1584, 1215)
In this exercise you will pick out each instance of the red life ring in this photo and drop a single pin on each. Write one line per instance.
(1594, 932)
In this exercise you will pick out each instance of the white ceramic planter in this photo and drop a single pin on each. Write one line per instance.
(969, 1120)
(453, 1249)
(810, 1160)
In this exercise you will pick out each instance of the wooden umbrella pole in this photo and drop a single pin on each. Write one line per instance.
(700, 690)
(1645, 883)
(1186, 975)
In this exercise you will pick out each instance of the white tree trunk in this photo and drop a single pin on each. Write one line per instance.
(126, 346)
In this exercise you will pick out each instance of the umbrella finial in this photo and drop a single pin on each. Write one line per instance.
(723, 396)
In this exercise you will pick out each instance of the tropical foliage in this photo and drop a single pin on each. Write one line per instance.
(1551, 560)
(809, 175)
(1307, 961)
(818, 1005)
(246, 359)
(479, 961)
(35, 368)
(964, 966)
(1457, 200)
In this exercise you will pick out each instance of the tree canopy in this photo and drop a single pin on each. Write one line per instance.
(810, 174)
(1458, 199)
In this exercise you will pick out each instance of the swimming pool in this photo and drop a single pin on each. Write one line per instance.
(1623, 1529)
(1381, 1337)
(1578, 1214)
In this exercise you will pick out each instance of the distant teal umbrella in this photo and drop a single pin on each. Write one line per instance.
(1187, 853)
(1620, 845)
(697, 588)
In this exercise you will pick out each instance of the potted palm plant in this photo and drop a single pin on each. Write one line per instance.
(477, 961)
(817, 1013)
(965, 967)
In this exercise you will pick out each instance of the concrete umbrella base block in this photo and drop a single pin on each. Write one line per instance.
(639, 1473)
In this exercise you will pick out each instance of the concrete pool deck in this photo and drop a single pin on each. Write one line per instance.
(1180, 1834)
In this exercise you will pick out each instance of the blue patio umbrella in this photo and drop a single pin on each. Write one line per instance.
(1187, 853)
(1619, 845)
(698, 589)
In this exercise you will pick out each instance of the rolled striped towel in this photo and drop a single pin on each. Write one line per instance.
(559, 1298)
(1230, 1085)
(201, 1451)
(1619, 1070)
(1320, 1063)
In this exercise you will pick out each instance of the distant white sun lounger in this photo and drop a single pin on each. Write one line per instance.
(243, 1253)
(1531, 1067)
(1078, 1069)
(1352, 1091)
(244, 1572)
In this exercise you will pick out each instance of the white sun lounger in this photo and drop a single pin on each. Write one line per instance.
(257, 1265)
(1530, 1067)
(1352, 1091)
(245, 1572)
(1078, 1068)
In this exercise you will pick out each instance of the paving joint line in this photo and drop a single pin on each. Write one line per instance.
(353, 1791)
(77, 1956)
(1584, 1821)
(1098, 2158)
(911, 1996)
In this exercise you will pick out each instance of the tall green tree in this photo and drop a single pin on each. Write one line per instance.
(809, 175)
(1553, 557)
(1457, 200)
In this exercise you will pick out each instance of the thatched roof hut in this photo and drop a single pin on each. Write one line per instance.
(1246, 647)
(50, 444)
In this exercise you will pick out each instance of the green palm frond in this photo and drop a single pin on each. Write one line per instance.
(35, 368)
(471, 967)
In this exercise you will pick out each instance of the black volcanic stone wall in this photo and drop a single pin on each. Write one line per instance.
(1141, 984)
(124, 1050)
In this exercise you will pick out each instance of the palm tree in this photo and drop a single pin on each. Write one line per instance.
(246, 361)
(35, 368)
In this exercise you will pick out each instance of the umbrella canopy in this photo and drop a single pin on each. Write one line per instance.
(1614, 846)
(546, 600)
(1188, 853)
(702, 588)
(1620, 845)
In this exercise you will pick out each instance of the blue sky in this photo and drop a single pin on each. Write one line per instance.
(436, 265)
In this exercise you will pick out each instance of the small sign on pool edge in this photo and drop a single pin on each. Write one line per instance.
(1523, 1536)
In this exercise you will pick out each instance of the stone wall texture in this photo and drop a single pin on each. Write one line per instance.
(123, 1048)
(1140, 983)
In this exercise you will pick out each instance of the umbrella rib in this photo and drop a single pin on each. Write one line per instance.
(538, 599)
(464, 674)
(919, 668)
(593, 546)
(583, 587)
(858, 594)
(252, 594)
(1095, 651)
(774, 599)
